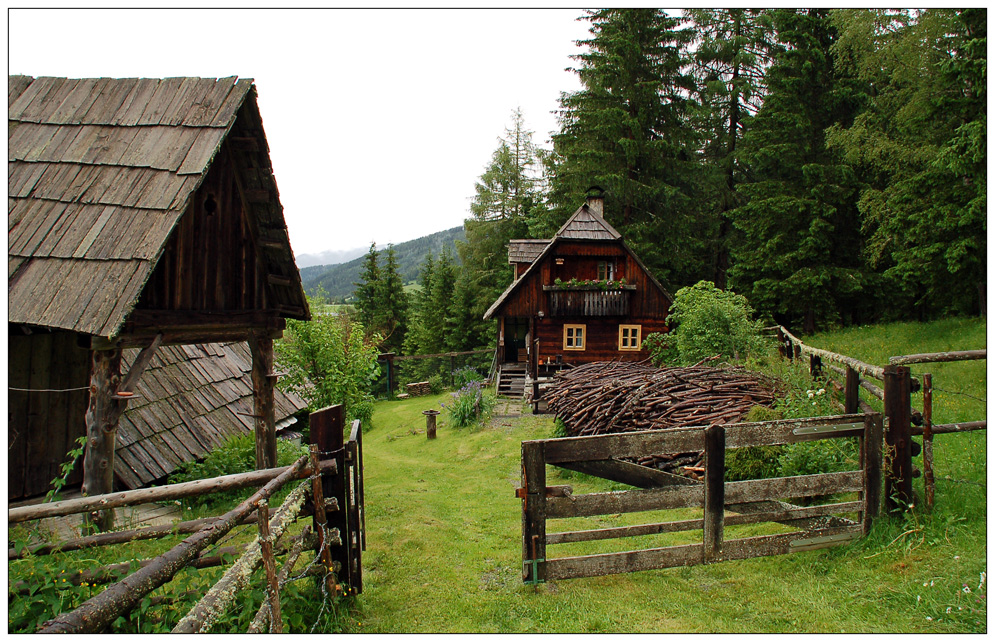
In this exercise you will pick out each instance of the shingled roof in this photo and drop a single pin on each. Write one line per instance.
(189, 400)
(525, 250)
(100, 170)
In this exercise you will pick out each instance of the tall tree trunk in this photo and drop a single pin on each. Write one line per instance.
(102, 417)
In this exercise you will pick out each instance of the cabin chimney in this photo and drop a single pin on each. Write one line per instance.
(596, 201)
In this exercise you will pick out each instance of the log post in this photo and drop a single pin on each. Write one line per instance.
(715, 456)
(263, 400)
(266, 550)
(897, 408)
(780, 343)
(927, 437)
(102, 417)
(318, 498)
(851, 400)
(815, 366)
(327, 426)
(430, 416)
(871, 460)
(534, 512)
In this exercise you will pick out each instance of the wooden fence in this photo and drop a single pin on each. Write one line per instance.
(902, 421)
(333, 495)
(755, 501)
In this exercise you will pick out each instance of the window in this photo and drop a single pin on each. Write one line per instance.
(628, 337)
(606, 270)
(573, 337)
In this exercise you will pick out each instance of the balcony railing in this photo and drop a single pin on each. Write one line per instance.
(588, 301)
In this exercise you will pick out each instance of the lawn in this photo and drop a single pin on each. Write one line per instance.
(444, 549)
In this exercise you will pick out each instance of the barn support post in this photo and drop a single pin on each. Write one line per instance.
(897, 408)
(263, 400)
(102, 417)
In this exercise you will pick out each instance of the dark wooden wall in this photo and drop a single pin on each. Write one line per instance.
(43, 426)
(601, 340)
(581, 262)
(209, 263)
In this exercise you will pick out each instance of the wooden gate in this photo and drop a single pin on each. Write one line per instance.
(748, 502)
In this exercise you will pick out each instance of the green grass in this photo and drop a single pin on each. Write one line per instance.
(444, 528)
(444, 539)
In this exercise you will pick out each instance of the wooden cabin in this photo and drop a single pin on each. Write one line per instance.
(579, 297)
(142, 213)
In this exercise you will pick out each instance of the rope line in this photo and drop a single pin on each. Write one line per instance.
(48, 389)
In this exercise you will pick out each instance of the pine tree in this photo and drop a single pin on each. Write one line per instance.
(800, 252)
(627, 132)
(921, 147)
(393, 303)
(367, 290)
(730, 62)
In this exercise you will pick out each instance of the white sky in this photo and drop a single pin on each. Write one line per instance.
(379, 121)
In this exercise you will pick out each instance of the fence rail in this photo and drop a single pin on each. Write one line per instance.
(756, 500)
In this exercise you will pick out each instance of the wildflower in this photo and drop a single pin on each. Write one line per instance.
(918, 599)
(949, 609)
(956, 557)
(982, 577)
(822, 391)
(929, 618)
(811, 394)
(966, 589)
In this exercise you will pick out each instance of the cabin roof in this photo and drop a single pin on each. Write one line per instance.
(100, 170)
(583, 225)
(189, 400)
(526, 250)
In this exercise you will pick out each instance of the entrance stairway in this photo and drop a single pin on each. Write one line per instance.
(511, 380)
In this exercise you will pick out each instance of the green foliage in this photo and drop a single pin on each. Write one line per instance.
(706, 322)
(235, 455)
(329, 360)
(753, 462)
(823, 456)
(435, 384)
(66, 468)
(465, 375)
(380, 297)
(468, 405)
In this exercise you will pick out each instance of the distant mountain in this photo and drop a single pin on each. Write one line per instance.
(339, 280)
(329, 257)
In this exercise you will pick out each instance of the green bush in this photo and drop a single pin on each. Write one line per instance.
(815, 457)
(464, 375)
(753, 462)
(236, 455)
(435, 384)
(706, 321)
(469, 404)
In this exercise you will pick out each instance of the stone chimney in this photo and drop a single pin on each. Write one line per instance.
(596, 201)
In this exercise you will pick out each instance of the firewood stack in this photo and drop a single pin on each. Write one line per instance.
(609, 397)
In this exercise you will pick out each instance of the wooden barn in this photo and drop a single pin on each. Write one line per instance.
(142, 213)
(579, 297)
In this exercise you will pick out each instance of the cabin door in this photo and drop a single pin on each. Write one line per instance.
(516, 332)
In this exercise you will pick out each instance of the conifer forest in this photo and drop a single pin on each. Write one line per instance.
(827, 164)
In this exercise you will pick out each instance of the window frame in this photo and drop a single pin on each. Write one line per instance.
(638, 336)
(609, 270)
(583, 336)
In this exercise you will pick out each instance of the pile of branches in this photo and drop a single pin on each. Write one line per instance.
(610, 397)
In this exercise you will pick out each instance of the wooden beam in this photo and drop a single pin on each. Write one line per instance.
(141, 363)
(938, 357)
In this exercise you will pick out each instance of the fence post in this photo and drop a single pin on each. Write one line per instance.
(534, 512)
(927, 437)
(871, 461)
(327, 427)
(851, 399)
(797, 349)
(815, 366)
(715, 469)
(897, 408)
(780, 343)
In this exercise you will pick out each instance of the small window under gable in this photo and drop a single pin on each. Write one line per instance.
(630, 337)
(573, 336)
(606, 270)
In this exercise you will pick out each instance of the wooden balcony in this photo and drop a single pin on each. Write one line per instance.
(588, 301)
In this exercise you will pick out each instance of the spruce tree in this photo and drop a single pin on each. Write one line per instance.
(367, 290)
(799, 257)
(393, 302)
(627, 132)
(921, 148)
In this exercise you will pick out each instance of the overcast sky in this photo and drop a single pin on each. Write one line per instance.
(379, 121)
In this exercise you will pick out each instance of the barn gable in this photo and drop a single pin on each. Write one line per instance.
(101, 171)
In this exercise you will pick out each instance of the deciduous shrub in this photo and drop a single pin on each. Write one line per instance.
(329, 360)
(706, 321)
